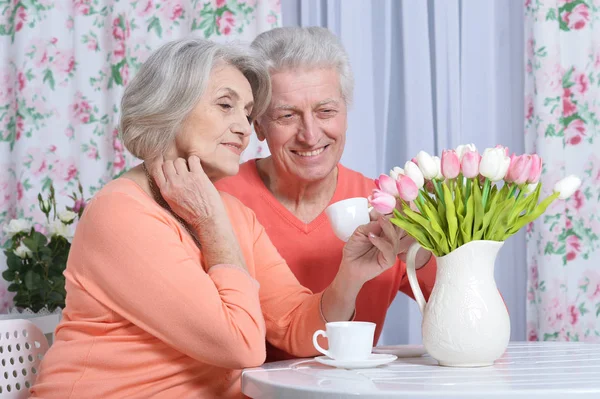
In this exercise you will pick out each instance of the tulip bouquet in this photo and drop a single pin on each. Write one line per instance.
(464, 196)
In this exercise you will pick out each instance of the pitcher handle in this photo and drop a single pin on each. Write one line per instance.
(411, 271)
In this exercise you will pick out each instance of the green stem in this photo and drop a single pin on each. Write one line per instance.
(438, 189)
(513, 188)
(486, 191)
(468, 191)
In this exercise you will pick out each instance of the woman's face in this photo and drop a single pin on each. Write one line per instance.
(218, 128)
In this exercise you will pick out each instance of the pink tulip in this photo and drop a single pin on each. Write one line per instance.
(450, 164)
(407, 188)
(386, 184)
(470, 164)
(383, 202)
(518, 171)
(536, 169)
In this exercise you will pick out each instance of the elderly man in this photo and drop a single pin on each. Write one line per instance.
(305, 128)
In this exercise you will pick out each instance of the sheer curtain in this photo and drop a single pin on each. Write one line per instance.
(430, 75)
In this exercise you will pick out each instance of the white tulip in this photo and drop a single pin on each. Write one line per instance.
(67, 217)
(494, 164)
(428, 165)
(23, 251)
(58, 228)
(395, 172)
(438, 165)
(531, 188)
(17, 226)
(461, 149)
(412, 170)
(567, 186)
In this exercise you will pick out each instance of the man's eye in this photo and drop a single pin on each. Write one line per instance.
(286, 116)
(249, 119)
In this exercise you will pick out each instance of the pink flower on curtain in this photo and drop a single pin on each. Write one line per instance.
(144, 8)
(573, 247)
(577, 199)
(532, 334)
(92, 152)
(573, 313)
(64, 61)
(575, 131)
(528, 107)
(568, 107)
(553, 76)
(225, 22)
(119, 51)
(530, 48)
(590, 282)
(220, 3)
(39, 50)
(92, 43)
(117, 30)
(21, 18)
(124, 72)
(555, 311)
(578, 18)
(19, 191)
(82, 6)
(64, 170)
(582, 84)
(80, 110)
(20, 127)
(177, 12)
(21, 80)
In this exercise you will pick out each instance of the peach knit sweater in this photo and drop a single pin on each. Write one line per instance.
(144, 319)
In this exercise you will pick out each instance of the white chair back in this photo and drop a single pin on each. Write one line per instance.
(22, 347)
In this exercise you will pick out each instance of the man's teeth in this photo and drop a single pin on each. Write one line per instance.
(311, 153)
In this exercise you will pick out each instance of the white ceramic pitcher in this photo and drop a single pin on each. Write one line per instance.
(465, 322)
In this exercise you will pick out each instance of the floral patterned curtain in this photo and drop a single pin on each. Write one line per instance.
(563, 126)
(63, 66)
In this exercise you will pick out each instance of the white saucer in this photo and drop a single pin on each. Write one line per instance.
(373, 360)
(401, 350)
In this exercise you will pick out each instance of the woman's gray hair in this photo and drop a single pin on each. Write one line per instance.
(309, 47)
(170, 84)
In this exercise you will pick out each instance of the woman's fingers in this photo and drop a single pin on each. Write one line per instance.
(194, 164)
(181, 166)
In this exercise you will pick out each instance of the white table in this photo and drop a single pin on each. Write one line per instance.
(549, 370)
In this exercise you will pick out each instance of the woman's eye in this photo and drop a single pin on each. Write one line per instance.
(226, 106)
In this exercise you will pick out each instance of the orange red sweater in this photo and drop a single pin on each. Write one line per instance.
(314, 253)
(143, 317)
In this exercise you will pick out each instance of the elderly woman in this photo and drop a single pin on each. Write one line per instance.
(163, 276)
(305, 128)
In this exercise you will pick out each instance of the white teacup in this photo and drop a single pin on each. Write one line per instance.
(346, 215)
(348, 340)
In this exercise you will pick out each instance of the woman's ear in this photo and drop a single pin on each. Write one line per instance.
(259, 130)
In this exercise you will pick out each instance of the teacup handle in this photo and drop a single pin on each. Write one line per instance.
(411, 257)
(317, 346)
